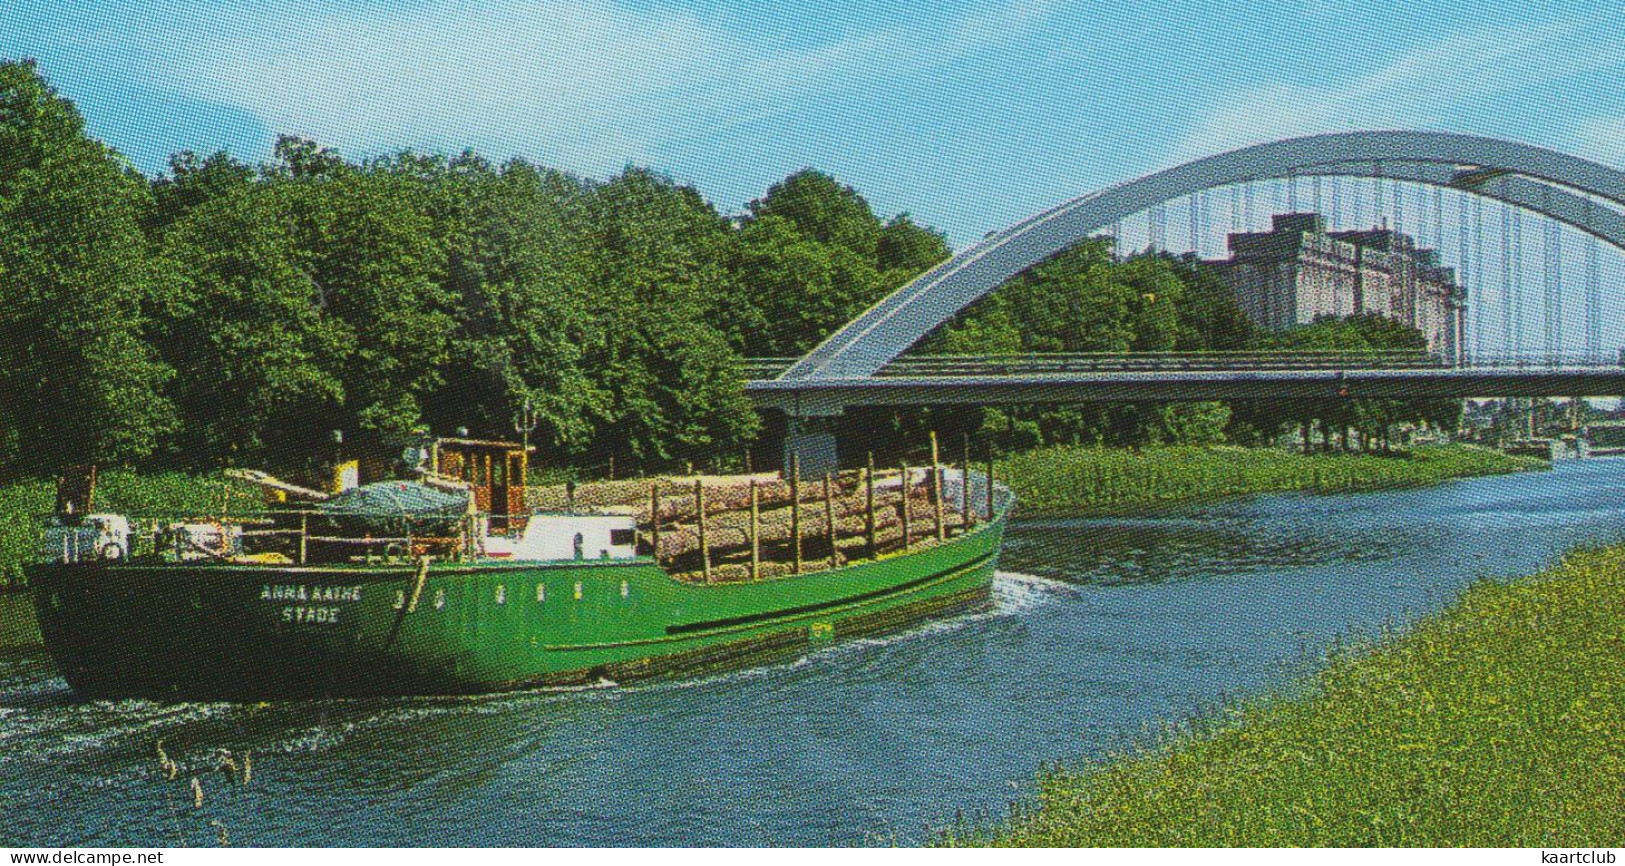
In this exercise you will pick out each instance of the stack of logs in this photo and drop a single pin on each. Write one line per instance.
(748, 528)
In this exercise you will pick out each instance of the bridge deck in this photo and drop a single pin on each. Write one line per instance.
(825, 396)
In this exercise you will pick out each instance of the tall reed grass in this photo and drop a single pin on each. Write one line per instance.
(1078, 481)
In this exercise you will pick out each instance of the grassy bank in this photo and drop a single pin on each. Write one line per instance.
(118, 490)
(1060, 481)
(1494, 723)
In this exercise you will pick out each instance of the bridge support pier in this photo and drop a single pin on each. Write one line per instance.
(811, 439)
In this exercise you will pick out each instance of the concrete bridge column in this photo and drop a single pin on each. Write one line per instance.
(811, 439)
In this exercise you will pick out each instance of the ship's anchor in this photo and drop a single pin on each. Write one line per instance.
(417, 585)
(419, 580)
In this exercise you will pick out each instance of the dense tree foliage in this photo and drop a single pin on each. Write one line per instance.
(1088, 299)
(1373, 420)
(77, 381)
(229, 313)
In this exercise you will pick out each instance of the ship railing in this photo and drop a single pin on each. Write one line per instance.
(152, 533)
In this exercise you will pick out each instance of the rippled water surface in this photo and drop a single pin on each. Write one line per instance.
(1101, 629)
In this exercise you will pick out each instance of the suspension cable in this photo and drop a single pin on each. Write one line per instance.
(1517, 283)
(1552, 278)
(1478, 274)
(1593, 294)
(1398, 197)
(1377, 210)
(1438, 217)
(1422, 218)
(1195, 206)
(1506, 278)
(1463, 238)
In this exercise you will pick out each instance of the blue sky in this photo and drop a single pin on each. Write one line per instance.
(968, 115)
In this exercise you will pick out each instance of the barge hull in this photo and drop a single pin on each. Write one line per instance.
(219, 631)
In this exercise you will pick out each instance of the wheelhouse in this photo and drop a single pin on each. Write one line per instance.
(494, 472)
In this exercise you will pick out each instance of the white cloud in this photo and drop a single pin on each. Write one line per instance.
(1417, 89)
(1602, 139)
(585, 84)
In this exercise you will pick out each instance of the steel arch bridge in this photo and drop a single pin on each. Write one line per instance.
(1533, 178)
(841, 371)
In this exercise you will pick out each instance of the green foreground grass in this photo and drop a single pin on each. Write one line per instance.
(122, 491)
(1497, 722)
(1077, 481)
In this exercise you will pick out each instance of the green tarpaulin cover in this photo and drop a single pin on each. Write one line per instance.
(397, 499)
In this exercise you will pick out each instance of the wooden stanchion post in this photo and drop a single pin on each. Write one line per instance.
(902, 508)
(705, 544)
(304, 533)
(990, 481)
(869, 507)
(755, 533)
(936, 489)
(829, 523)
(965, 518)
(654, 520)
(795, 514)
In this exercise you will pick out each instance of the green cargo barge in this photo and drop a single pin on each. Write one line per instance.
(498, 614)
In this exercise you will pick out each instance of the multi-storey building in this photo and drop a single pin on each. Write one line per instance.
(1298, 272)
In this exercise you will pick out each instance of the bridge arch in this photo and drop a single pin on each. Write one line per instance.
(1546, 181)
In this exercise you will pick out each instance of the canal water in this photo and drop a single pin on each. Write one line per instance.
(1102, 631)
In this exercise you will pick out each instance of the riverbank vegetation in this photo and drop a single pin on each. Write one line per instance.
(1079, 481)
(1489, 724)
(120, 491)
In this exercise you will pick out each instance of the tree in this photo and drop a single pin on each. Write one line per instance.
(1193, 423)
(368, 243)
(191, 182)
(246, 327)
(800, 289)
(524, 313)
(664, 300)
(1364, 332)
(1210, 320)
(827, 211)
(382, 296)
(77, 382)
(906, 250)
